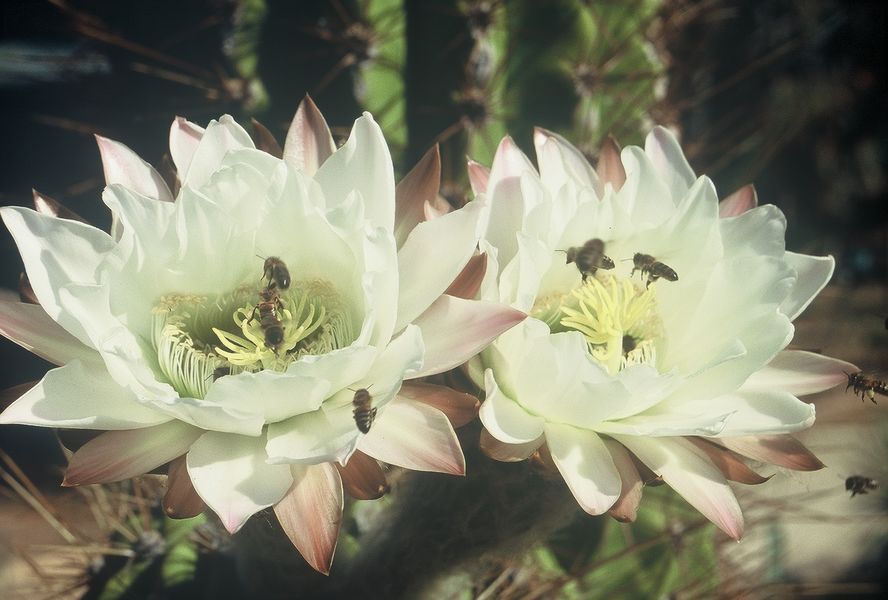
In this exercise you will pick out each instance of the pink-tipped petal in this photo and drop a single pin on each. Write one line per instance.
(436, 207)
(625, 509)
(479, 176)
(181, 500)
(781, 450)
(454, 330)
(124, 166)
(26, 291)
(30, 327)
(184, 138)
(800, 373)
(468, 282)
(460, 408)
(230, 473)
(586, 465)
(49, 206)
(728, 463)
(119, 455)
(419, 187)
(414, 436)
(309, 142)
(362, 477)
(739, 202)
(689, 472)
(265, 140)
(11, 394)
(610, 168)
(311, 513)
(504, 452)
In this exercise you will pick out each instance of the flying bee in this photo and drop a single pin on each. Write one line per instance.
(221, 372)
(363, 412)
(268, 307)
(589, 257)
(653, 268)
(858, 484)
(866, 386)
(276, 272)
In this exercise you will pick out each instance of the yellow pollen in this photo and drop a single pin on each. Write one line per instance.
(617, 317)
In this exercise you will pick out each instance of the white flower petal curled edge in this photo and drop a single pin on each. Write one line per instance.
(671, 369)
(159, 339)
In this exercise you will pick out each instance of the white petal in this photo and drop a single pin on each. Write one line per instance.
(340, 368)
(586, 465)
(560, 160)
(414, 436)
(220, 137)
(81, 396)
(418, 189)
(184, 139)
(118, 455)
(124, 166)
(30, 327)
(324, 435)
(669, 161)
(230, 474)
(504, 418)
(269, 395)
(799, 373)
(814, 273)
(363, 164)
(431, 258)
(690, 473)
(758, 231)
(752, 412)
(57, 252)
(454, 330)
(644, 194)
(507, 205)
(309, 142)
(401, 358)
(311, 513)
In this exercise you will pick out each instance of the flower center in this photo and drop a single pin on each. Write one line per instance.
(617, 316)
(199, 339)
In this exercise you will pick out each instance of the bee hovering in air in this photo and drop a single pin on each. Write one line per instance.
(858, 484)
(268, 307)
(866, 386)
(276, 272)
(589, 257)
(653, 268)
(364, 412)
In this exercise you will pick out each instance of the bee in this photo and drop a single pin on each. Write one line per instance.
(276, 272)
(858, 484)
(653, 268)
(268, 307)
(866, 386)
(221, 372)
(363, 412)
(589, 257)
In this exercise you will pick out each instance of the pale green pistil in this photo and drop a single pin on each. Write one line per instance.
(198, 339)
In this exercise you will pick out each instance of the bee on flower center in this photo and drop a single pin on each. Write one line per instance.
(269, 321)
(589, 257)
(858, 484)
(276, 272)
(866, 386)
(364, 413)
(652, 268)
